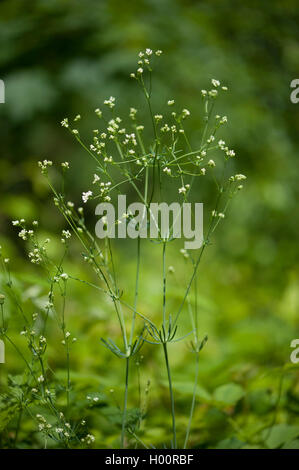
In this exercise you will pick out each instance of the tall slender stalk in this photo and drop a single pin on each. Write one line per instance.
(164, 285)
(124, 417)
(18, 427)
(193, 401)
(171, 395)
(164, 343)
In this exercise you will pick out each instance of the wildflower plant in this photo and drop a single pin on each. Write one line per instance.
(125, 155)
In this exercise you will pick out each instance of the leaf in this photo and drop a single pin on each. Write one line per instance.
(6, 415)
(230, 443)
(261, 401)
(186, 388)
(280, 434)
(292, 445)
(228, 394)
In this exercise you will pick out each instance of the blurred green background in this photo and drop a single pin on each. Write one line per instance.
(59, 58)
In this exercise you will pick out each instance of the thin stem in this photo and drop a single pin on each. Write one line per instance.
(171, 395)
(210, 230)
(193, 401)
(66, 340)
(164, 285)
(2, 316)
(136, 292)
(18, 427)
(124, 417)
(21, 355)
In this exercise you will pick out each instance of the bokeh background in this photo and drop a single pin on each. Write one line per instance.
(59, 58)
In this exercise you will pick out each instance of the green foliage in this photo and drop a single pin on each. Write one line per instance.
(228, 394)
(60, 58)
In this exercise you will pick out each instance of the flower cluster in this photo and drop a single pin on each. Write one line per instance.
(144, 62)
(44, 165)
(86, 195)
(65, 235)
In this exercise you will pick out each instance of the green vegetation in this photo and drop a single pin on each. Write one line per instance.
(84, 372)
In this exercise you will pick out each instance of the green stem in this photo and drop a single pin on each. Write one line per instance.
(18, 427)
(124, 417)
(136, 292)
(193, 402)
(171, 395)
(164, 285)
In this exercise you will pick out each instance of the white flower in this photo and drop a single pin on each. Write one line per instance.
(182, 190)
(215, 83)
(86, 196)
(140, 70)
(240, 177)
(65, 122)
(110, 103)
(23, 234)
(170, 102)
(213, 93)
(211, 163)
(203, 171)
(184, 253)
(64, 276)
(89, 439)
(41, 379)
(44, 166)
(96, 178)
(66, 234)
(185, 113)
